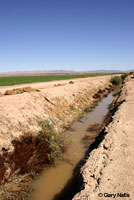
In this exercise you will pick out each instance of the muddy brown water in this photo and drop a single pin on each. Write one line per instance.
(54, 178)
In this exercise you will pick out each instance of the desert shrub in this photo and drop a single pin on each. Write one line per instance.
(20, 91)
(9, 92)
(123, 76)
(55, 139)
(116, 80)
(3, 168)
(97, 96)
(32, 153)
(72, 107)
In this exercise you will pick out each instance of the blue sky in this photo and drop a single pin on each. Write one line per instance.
(66, 34)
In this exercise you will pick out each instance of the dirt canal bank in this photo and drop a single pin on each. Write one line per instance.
(108, 171)
(60, 104)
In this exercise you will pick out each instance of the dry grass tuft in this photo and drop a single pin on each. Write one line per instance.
(1, 94)
(94, 128)
(20, 91)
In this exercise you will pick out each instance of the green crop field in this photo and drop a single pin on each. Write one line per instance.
(15, 80)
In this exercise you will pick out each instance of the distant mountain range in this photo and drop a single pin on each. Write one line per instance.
(43, 72)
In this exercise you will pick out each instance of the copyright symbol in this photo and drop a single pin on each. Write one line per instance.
(100, 195)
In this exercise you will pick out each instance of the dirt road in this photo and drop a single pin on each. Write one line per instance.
(51, 84)
(108, 172)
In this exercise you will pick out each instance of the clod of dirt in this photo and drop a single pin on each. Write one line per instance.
(59, 84)
(71, 82)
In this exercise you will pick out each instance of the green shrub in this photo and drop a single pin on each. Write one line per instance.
(56, 140)
(72, 107)
(116, 80)
(123, 76)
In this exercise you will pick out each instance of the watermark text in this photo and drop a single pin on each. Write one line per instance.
(113, 195)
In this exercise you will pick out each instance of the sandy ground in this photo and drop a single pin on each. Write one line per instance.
(108, 172)
(19, 114)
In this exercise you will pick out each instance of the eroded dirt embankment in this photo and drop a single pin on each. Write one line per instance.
(108, 172)
(57, 100)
